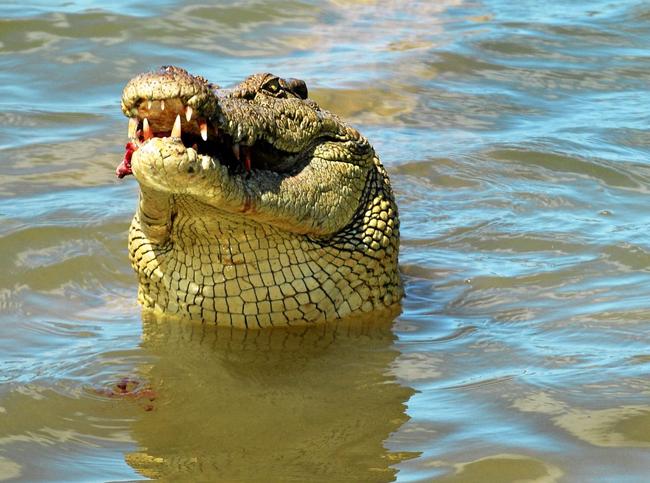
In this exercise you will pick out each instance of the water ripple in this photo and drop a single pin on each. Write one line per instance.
(515, 134)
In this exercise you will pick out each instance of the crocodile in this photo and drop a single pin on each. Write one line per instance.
(257, 207)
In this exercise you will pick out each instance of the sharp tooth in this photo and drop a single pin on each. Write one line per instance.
(133, 126)
(146, 130)
(204, 130)
(162, 105)
(176, 130)
(149, 105)
(235, 150)
(188, 113)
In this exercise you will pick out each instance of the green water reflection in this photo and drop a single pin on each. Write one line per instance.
(269, 405)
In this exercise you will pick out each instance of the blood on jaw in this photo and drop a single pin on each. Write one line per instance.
(124, 168)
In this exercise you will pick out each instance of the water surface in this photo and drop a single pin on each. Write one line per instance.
(515, 134)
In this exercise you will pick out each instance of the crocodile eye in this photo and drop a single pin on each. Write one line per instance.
(272, 85)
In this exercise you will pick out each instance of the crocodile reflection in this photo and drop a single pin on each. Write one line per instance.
(312, 404)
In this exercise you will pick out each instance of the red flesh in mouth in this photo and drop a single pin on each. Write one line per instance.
(124, 167)
(247, 159)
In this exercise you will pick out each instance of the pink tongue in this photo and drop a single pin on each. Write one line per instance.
(124, 168)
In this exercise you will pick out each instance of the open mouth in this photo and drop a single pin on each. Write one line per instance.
(171, 118)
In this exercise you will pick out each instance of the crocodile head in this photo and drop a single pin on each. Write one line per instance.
(256, 205)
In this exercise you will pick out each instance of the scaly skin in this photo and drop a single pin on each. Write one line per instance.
(308, 233)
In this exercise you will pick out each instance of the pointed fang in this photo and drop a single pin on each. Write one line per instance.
(188, 113)
(176, 130)
(146, 130)
(235, 150)
(133, 127)
(204, 130)
(162, 105)
(149, 105)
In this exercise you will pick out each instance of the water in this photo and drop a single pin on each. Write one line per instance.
(516, 137)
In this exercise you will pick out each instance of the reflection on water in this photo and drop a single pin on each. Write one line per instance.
(516, 137)
(504, 467)
(623, 426)
(269, 405)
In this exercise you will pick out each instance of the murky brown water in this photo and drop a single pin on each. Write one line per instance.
(516, 137)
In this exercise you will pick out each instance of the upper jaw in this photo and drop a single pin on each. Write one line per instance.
(167, 84)
(169, 103)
